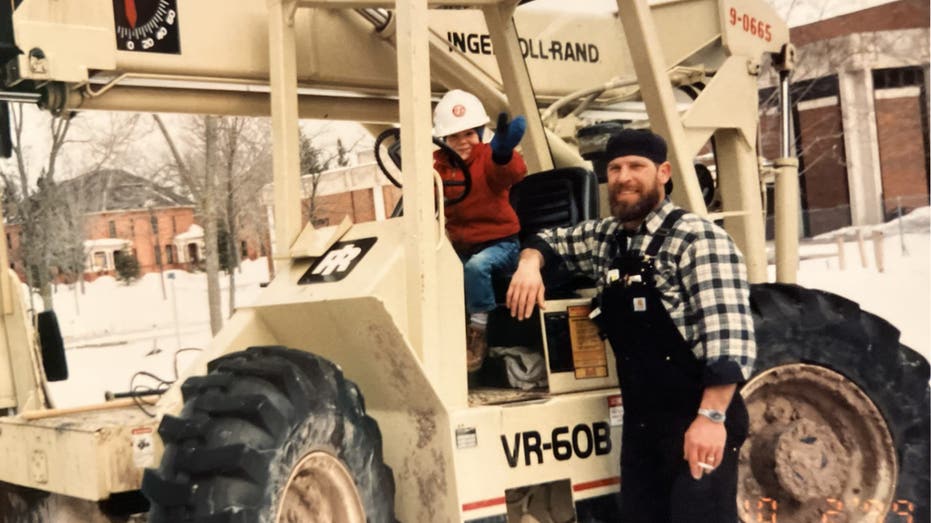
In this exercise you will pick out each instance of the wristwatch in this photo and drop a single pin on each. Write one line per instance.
(714, 415)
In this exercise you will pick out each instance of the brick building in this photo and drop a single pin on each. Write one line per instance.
(127, 213)
(860, 95)
(361, 192)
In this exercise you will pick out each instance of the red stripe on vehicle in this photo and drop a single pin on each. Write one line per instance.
(606, 482)
(482, 504)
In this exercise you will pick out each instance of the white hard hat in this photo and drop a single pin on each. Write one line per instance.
(458, 111)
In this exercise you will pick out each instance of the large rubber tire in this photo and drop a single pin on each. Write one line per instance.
(247, 424)
(798, 325)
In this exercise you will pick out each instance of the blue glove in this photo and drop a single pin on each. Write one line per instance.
(507, 136)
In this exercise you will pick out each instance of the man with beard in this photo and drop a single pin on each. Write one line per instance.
(674, 303)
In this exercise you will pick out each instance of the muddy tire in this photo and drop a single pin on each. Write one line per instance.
(803, 330)
(270, 435)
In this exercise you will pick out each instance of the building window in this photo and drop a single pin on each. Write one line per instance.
(154, 221)
(174, 226)
(169, 254)
(8, 242)
(897, 77)
(243, 250)
(111, 225)
(100, 261)
(158, 255)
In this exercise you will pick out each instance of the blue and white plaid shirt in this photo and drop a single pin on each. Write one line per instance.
(700, 275)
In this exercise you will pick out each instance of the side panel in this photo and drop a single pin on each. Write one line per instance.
(85, 455)
(574, 436)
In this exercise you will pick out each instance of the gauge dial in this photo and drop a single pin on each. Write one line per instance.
(147, 25)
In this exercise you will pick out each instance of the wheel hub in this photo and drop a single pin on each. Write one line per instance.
(817, 447)
(810, 461)
(320, 490)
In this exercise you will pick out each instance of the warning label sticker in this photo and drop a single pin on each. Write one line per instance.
(589, 356)
(615, 411)
(466, 438)
(143, 447)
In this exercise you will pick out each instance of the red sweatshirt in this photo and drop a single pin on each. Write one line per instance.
(486, 213)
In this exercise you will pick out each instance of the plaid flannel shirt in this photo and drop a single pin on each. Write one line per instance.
(700, 275)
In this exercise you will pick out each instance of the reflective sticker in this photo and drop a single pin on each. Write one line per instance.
(615, 411)
(143, 447)
(466, 438)
(640, 304)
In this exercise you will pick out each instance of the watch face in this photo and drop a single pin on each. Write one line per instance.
(146, 25)
(713, 415)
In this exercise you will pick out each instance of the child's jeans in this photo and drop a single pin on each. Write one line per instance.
(497, 258)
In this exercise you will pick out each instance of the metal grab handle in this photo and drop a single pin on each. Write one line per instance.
(438, 184)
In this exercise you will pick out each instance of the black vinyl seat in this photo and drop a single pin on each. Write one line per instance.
(556, 198)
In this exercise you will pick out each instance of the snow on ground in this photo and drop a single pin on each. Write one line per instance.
(113, 331)
(901, 294)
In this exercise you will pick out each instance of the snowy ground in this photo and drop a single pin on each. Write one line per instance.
(113, 331)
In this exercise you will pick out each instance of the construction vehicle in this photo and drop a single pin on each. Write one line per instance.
(257, 432)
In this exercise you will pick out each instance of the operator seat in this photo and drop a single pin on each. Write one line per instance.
(556, 198)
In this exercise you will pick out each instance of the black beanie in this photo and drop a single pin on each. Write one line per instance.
(638, 142)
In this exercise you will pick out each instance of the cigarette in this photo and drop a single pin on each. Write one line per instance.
(705, 466)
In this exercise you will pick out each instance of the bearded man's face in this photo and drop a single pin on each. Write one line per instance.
(635, 186)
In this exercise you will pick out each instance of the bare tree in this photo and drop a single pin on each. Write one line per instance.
(198, 176)
(106, 144)
(314, 162)
(822, 59)
(245, 157)
(37, 204)
(342, 153)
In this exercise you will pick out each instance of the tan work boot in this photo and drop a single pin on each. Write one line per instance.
(476, 347)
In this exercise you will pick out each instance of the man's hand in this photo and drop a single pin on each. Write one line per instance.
(704, 445)
(526, 289)
(704, 440)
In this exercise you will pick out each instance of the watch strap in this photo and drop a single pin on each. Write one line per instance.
(714, 415)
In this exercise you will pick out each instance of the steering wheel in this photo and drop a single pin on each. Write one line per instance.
(394, 151)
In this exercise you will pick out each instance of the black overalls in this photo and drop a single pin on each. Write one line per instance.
(661, 387)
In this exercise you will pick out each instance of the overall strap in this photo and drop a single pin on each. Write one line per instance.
(664, 229)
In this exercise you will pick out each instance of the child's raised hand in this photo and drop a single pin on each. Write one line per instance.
(507, 136)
